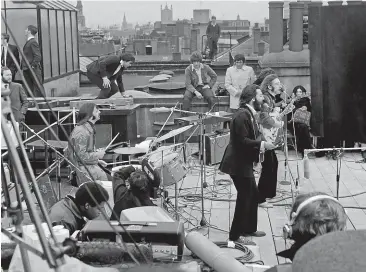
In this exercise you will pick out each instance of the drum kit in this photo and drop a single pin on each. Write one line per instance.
(165, 166)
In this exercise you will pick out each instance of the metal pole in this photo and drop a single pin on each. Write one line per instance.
(26, 191)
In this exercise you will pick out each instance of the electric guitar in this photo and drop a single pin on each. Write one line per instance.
(272, 134)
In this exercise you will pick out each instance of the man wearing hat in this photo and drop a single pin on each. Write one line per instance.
(241, 153)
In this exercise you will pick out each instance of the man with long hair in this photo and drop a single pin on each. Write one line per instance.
(241, 153)
(267, 185)
(83, 141)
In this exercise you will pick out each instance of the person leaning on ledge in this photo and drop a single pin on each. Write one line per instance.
(106, 73)
(200, 79)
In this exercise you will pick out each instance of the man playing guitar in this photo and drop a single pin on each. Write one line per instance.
(267, 185)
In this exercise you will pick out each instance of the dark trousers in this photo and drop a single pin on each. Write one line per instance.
(206, 93)
(212, 44)
(37, 92)
(267, 184)
(302, 133)
(246, 207)
(104, 92)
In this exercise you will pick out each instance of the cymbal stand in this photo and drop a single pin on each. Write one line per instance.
(202, 157)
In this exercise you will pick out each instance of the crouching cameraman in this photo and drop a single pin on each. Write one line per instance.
(131, 188)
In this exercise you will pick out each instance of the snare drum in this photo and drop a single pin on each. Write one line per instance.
(168, 171)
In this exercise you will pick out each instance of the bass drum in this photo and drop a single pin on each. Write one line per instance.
(167, 171)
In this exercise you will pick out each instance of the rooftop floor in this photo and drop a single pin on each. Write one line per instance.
(220, 195)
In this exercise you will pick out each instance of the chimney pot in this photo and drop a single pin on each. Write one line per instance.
(276, 26)
(296, 26)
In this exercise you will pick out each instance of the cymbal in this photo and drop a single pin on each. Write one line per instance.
(128, 150)
(173, 133)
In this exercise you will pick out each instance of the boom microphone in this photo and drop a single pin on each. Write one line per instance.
(306, 166)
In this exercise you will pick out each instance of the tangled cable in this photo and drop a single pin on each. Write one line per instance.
(247, 253)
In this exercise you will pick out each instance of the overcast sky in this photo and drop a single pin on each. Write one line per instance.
(105, 13)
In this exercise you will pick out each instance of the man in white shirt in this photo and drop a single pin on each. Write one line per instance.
(236, 79)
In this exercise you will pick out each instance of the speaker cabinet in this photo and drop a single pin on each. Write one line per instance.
(215, 147)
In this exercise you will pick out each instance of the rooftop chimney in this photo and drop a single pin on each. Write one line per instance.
(275, 26)
(296, 26)
(261, 46)
(256, 37)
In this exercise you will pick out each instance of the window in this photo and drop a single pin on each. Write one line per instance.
(75, 40)
(61, 41)
(69, 58)
(54, 45)
(18, 20)
(46, 53)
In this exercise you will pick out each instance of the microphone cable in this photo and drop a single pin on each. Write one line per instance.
(247, 253)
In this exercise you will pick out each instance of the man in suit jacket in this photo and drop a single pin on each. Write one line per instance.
(241, 153)
(6, 59)
(18, 98)
(33, 55)
(106, 73)
(198, 83)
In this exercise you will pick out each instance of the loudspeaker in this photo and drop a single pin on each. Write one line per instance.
(215, 147)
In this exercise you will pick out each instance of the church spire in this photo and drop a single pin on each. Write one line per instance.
(124, 23)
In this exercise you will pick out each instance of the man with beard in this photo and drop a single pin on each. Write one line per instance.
(241, 153)
(267, 185)
(83, 151)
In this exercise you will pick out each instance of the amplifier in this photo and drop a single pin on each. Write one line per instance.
(215, 147)
(166, 238)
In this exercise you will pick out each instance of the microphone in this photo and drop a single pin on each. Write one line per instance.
(306, 166)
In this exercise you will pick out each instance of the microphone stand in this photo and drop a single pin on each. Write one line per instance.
(202, 157)
(339, 164)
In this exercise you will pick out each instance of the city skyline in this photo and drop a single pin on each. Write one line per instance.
(111, 12)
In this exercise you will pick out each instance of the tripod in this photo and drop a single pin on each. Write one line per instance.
(52, 252)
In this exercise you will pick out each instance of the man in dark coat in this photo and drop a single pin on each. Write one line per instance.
(131, 189)
(213, 33)
(33, 55)
(6, 59)
(241, 153)
(18, 98)
(106, 73)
